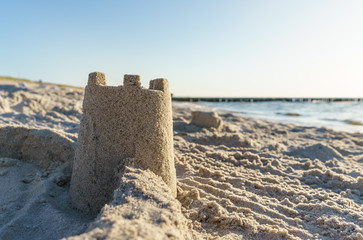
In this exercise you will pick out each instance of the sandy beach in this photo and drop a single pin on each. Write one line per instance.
(246, 179)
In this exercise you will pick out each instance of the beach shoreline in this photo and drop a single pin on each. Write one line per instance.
(250, 179)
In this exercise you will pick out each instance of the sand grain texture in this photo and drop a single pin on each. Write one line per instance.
(252, 179)
(143, 207)
(121, 126)
(207, 119)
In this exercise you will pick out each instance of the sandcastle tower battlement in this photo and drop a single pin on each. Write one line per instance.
(121, 126)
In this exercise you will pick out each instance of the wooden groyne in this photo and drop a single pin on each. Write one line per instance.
(237, 99)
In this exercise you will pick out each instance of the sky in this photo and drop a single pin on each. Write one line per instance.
(230, 48)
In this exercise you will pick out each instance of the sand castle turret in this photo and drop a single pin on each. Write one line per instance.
(121, 126)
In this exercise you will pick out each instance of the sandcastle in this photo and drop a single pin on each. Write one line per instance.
(121, 126)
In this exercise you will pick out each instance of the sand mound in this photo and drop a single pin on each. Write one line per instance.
(226, 139)
(142, 208)
(320, 151)
(207, 119)
(43, 146)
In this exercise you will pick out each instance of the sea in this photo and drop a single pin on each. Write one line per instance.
(342, 116)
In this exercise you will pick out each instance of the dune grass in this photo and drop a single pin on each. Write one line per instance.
(13, 79)
(6, 78)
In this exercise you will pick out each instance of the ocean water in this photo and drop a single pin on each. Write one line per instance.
(341, 116)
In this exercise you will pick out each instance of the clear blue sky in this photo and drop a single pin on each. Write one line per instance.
(204, 47)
